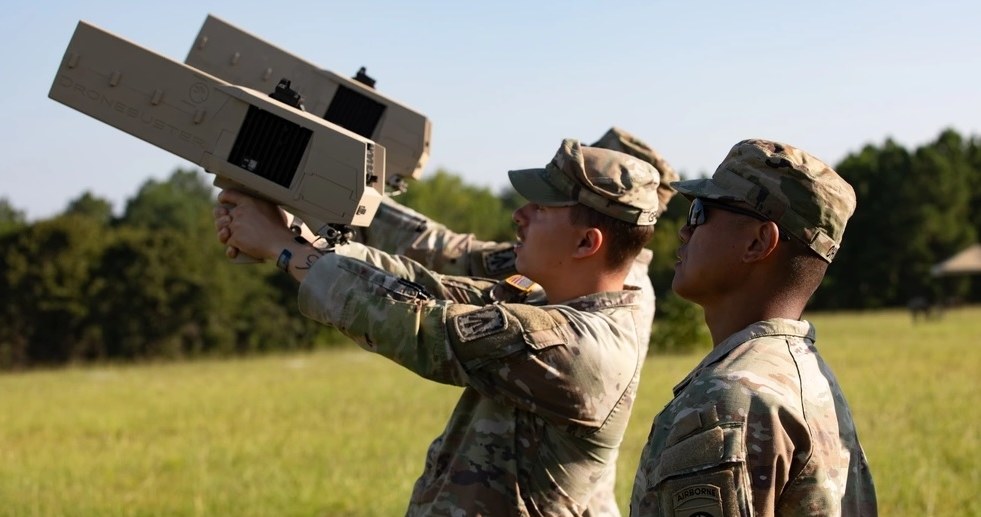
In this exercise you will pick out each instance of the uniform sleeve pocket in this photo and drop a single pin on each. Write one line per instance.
(384, 283)
(546, 338)
(704, 474)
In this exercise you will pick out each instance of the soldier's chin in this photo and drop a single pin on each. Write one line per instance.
(680, 288)
(518, 266)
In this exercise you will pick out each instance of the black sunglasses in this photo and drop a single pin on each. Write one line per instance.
(696, 214)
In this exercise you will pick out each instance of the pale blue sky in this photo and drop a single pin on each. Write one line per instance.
(503, 82)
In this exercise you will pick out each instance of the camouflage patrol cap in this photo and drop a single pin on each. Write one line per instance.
(620, 140)
(609, 182)
(802, 194)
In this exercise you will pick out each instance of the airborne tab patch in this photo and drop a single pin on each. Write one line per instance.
(480, 323)
(698, 501)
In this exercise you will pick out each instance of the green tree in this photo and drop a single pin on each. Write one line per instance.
(665, 244)
(46, 286)
(88, 205)
(176, 203)
(946, 179)
(10, 217)
(462, 208)
(973, 152)
(974, 159)
(151, 299)
(911, 213)
(679, 326)
(865, 272)
(180, 295)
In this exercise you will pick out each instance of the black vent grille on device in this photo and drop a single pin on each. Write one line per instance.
(269, 146)
(354, 111)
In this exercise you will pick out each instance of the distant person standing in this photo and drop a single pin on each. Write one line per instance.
(760, 427)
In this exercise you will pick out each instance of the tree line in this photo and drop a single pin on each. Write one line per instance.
(152, 283)
(87, 285)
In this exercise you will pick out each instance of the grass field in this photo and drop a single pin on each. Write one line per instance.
(343, 432)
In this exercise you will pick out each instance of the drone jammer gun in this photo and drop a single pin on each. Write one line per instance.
(323, 173)
(241, 58)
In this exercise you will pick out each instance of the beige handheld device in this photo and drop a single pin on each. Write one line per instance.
(238, 57)
(325, 174)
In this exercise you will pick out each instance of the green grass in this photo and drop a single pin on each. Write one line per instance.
(343, 432)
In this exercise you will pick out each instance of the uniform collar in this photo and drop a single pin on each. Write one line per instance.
(644, 257)
(597, 301)
(771, 327)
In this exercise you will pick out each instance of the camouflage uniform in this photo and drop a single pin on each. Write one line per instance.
(760, 426)
(401, 230)
(547, 389)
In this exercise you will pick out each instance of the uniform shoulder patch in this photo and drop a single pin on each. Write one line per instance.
(520, 282)
(513, 289)
(498, 262)
(698, 501)
(480, 323)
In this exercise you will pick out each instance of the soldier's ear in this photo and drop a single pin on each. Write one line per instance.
(590, 242)
(764, 243)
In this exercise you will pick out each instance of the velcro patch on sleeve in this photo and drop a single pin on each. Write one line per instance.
(498, 262)
(480, 323)
(520, 283)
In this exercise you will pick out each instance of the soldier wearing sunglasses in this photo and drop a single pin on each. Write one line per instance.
(760, 426)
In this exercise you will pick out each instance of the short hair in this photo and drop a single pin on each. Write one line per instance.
(623, 240)
(804, 268)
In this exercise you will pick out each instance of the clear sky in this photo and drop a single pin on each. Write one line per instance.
(503, 82)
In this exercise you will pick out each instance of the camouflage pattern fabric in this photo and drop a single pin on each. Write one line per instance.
(547, 389)
(760, 427)
(400, 230)
(618, 139)
(800, 193)
(610, 182)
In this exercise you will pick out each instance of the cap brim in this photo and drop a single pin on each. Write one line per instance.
(533, 186)
(703, 188)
